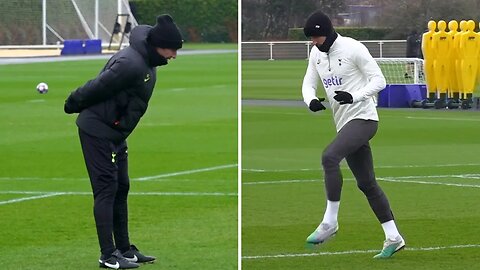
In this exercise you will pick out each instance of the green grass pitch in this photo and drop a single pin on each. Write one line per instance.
(183, 156)
(426, 162)
(282, 79)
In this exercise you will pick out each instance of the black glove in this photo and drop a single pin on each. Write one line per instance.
(343, 97)
(71, 106)
(316, 105)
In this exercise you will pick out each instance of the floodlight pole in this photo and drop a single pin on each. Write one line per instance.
(44, 22)
(96, 19)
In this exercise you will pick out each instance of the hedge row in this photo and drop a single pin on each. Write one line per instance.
(198, 20)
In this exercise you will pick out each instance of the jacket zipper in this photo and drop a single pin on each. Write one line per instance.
(328, 56)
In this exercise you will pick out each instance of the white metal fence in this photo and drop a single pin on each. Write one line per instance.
(300, 49)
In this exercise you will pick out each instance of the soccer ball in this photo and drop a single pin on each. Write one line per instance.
(42, 88)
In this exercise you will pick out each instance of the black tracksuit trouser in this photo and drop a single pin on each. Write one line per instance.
(352, 143)
(107, 166)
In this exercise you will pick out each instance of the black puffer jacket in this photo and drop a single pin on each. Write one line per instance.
(112, 104)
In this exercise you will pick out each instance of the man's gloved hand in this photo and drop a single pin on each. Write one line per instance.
(343, 97)
(316, 105)
(71, 106)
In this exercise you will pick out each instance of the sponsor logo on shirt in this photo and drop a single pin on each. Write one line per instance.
(332, 81)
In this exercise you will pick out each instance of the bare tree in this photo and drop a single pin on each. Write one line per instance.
(406, 15)
(271, 19)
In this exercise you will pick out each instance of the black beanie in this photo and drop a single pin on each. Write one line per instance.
(165, 34)
(318, 25)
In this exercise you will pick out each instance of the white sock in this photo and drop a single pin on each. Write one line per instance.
(331, 213)
(390, 229)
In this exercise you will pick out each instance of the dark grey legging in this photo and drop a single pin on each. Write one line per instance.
(352, 144)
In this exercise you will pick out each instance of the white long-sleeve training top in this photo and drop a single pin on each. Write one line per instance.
(348, 66)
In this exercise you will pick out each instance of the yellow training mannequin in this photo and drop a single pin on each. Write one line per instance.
(469, 49)
(478, 60)
(453, 91)
(458, 60)
(441, 48)
(429, 57)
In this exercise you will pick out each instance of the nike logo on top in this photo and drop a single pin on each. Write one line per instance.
(147, 78)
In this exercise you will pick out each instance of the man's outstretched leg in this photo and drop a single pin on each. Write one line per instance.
(352, 136)
(361, 164)
(333, 187)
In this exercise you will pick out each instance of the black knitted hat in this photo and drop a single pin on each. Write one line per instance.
(165, 34)
(318, 25)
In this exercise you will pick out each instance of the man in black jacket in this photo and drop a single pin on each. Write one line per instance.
(110, 107)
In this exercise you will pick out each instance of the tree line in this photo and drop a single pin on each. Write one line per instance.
(198, 20)
(272, 19)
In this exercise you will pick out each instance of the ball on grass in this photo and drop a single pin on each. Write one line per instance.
(42, 88)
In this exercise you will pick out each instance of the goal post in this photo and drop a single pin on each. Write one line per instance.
(402, 70)
(49, 22)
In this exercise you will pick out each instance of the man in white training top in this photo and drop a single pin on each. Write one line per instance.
(351, 79)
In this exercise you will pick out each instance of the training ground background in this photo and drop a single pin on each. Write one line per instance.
(426, 161)
(183, 156)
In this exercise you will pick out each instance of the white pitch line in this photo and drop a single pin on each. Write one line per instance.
(36, 100)
(386, 179)
(40, 179)
(427, 182)
(85, 179)
(463, 176)
(442, 118)
(185, 193)
(277, 113)
(283, 181)
(174, 90)
(145, 178)
(31, 198)
(157, 124)
(195, 88)
(24, 192)
(280, 170)
(377, 167)
(131, 193)
(353, 252)
(429, 166)
(185, 172)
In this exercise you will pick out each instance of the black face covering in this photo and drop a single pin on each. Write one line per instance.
(154, 58)
(325, 47)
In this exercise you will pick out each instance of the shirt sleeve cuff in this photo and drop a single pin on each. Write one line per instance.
(357, 96)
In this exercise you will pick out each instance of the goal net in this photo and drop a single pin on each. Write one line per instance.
(402, 70)
(50, 22)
